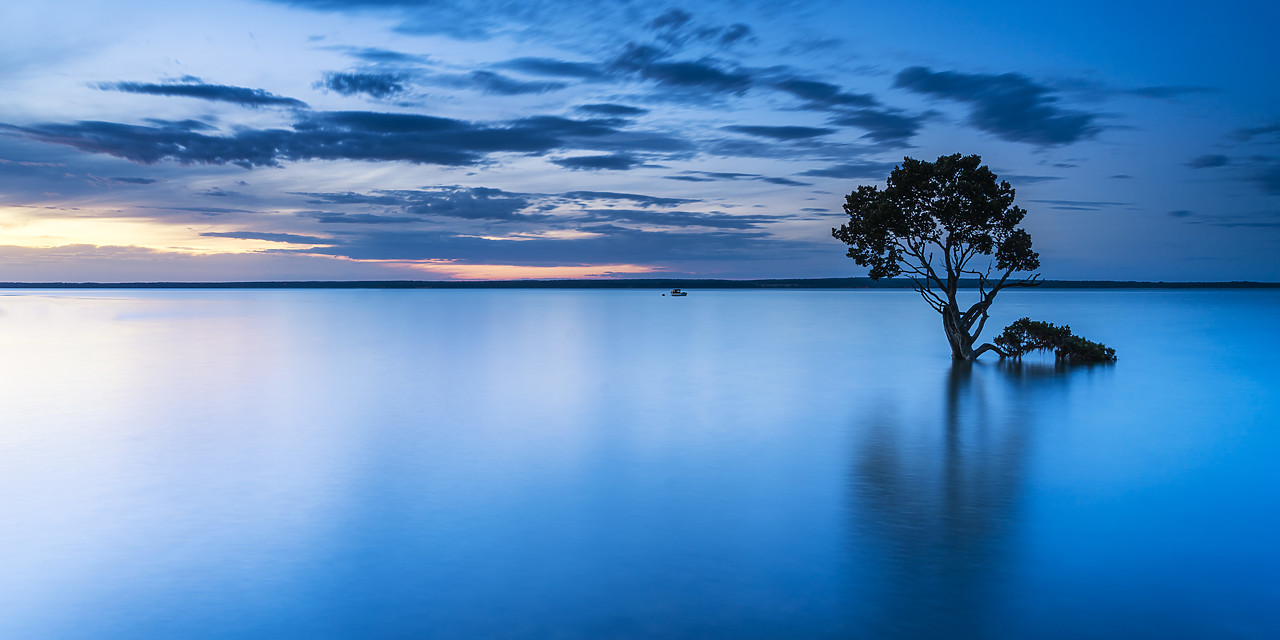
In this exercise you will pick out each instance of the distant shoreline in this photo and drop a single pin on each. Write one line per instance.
(692, 283)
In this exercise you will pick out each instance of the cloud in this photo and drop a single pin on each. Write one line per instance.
(642, 200)
(1268, 179)
(676, 27)
(678, 218)
(649, 63)
(781, 132)
(1169, 92)
(615, 110)
(552, 68)
(129, 180)
(484, 204)
(712, 176)
(1010, 106)
(608, 244)
(1122, 176)
(671, 19)
(376, 85)
(615, 162)
(470, 203)
(726, 175)
(1181, 213)
(823, 95)
(215, 92)
(1015, 178)
(454, 18)
(487, 19)
(329, 217)
(349, 135)
(180, 125)
(1081, 205)
(205, 210)
(857, 169)
(1209, 161)
(1250, 133)
(269, 237)
(380, 56)
(494, 83)
(889, 126)
(784, 181)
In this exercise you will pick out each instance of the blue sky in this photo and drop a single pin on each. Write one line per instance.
(385, 139)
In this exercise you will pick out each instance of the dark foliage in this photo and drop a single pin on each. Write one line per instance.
(935, 222)
(1026, 335)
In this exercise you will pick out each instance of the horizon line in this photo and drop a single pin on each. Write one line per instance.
(627, 283)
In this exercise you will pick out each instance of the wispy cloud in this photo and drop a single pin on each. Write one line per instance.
(614, 162)
(201, 91)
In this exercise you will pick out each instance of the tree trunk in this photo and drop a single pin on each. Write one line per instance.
(959, 339)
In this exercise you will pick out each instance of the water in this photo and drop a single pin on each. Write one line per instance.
(618, 464)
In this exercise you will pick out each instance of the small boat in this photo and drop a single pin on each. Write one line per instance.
(677, 292)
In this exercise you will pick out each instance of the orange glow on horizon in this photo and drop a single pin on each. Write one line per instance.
(518, 272)
(32, 228)
(26, 227)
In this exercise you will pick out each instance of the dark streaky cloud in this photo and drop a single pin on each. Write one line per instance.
(823, 95)
(676, 27)
(471, 203)
(857, 169)
(888, 126)
(1081, 205)
(678, 218)
(1209, 161)
(639, 199)
(1029, 179)
(612, 244)
(495, 83)
(711, 176)
(216, 92)
(649, 63)
(380, 56)
(335, 217)
(270, 237)
(613, 110)
(1250, 133)
(1169, 92)
(613, 162)
(1268, 179)
(1009, 105)
(781, 132)
(349, 135)
(553, 68)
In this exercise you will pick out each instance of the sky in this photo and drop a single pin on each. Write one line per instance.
(491, 139)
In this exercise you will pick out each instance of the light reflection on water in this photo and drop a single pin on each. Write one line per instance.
(586, 464)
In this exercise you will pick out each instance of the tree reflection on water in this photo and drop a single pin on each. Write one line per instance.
(936, 496)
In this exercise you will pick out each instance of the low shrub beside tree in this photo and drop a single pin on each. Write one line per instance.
(1026, 335)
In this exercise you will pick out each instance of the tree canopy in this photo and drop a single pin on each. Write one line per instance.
(937, 222)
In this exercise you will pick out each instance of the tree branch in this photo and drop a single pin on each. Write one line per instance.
(989, 347)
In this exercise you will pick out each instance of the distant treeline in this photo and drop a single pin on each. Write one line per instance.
(784, 283)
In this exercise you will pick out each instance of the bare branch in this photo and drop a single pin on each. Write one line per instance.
(989, 347)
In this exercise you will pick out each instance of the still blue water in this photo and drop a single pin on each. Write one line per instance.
(619, 464)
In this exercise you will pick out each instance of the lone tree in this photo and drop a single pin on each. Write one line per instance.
(935, 222)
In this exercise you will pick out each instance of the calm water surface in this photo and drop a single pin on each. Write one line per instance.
(618, 464)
